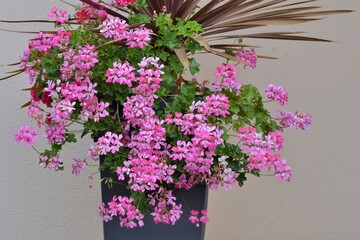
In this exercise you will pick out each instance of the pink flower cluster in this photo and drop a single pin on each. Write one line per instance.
(216, 104)
(297, 120)
(277, 93)
(78, 63)
(109, 143)
(27, 135)
(118, 29)
(249, 57)
(122, 3)
(166, 211)
(121, 73)
(78, 166)
(122, 207)
(59, 15)
(146, 165)
(228, 80)
(62, 96)
(222, 175)
(262, 151)
(88, 14)
(199, 151)
(42, 43)
(51, 163)
(194, 218)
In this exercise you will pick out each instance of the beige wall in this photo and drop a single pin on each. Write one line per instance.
(321, 202)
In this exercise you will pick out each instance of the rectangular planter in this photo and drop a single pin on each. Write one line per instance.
(195, 198)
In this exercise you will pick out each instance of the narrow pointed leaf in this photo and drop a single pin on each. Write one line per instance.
(10, 76)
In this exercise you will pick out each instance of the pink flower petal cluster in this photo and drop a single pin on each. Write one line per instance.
(166, 211)
(122, 73)
(118, 29)
(122, 3)
(227, 75)
(89, 15)
(55, 133)
(59, 15)
(262, 151)
(222, 175)
(93, 109)
(199, 151)
(78, 166)
(42, 43)
(215, 104)
(194, 218)
(79, 62)
(35, 113)
(138, 37)
(26, 134)
(249, 57)
(51, 162)
(123, 208)
(110, 142)
(297, 120)
(277, 93)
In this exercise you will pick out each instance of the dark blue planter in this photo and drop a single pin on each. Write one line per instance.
(196, 198)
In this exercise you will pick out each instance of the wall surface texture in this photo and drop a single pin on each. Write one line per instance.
(321, 202)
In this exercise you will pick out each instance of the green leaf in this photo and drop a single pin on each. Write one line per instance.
(170, 40)
(163, 21)
(241, 179)
(192, 46)
(70, 137)
(140, 18)
(188, 93)
(194, 66)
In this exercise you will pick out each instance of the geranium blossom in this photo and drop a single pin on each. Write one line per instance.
(59, 15)
(249, 57)
(26, 134)
(277, 93)
(122, 3)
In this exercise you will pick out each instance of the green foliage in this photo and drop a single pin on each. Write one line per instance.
(194, 66)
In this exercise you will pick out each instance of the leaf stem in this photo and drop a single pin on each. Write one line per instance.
(36, 150)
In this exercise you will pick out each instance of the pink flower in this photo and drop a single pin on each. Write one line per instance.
(166, 211)
(121, 73)
(27, 135)
(204, 218)
(262, 151)
(109, 143)
(194, 218)
(51, 163)
(122, 207)
(59, 15)
(118, 29)
(88, 14)
(228, 80)
(115, 28)
(122, 3)
(247, 56)
(55, 133)
(277, 93)
(78, 166)
(138, 37)
(297, 120)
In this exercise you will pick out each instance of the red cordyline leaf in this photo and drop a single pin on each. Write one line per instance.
(225, 16)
